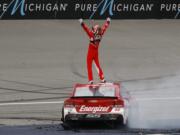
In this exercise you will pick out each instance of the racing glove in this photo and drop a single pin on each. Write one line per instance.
(81, 20)
(108, 20)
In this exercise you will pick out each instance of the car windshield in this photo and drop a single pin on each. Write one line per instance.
(95, 91)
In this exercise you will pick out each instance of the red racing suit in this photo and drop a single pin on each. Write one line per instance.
(92, 54)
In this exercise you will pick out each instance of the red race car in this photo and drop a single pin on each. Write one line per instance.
(103, 102)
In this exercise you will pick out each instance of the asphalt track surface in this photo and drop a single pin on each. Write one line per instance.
(41, 60)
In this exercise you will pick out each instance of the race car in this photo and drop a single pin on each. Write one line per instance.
(96, 102)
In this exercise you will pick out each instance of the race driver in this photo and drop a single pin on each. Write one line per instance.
(95, 36)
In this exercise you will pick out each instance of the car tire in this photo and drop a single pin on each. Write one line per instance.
(62, 112)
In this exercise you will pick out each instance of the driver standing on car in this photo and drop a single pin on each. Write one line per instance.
(95, 36)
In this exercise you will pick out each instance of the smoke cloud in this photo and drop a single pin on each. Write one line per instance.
(155, 104)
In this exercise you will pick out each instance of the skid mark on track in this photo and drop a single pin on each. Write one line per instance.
(25, 83)
(35, 99)
(33, 118)
(31, 84)
(158, 99)
(31, 103)
(74, 70)
(166, 88)
(35, 91)
(150, 78)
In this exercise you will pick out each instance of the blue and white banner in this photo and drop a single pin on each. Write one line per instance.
(88, 9)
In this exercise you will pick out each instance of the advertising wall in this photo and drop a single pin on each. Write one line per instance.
(88, 9)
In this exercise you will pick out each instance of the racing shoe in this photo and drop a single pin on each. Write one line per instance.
(103, 81)
(90, 82)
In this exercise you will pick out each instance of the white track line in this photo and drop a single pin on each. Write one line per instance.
(158, 99)
(30, 103)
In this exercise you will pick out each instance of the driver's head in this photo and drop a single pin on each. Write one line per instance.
(96, 29)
